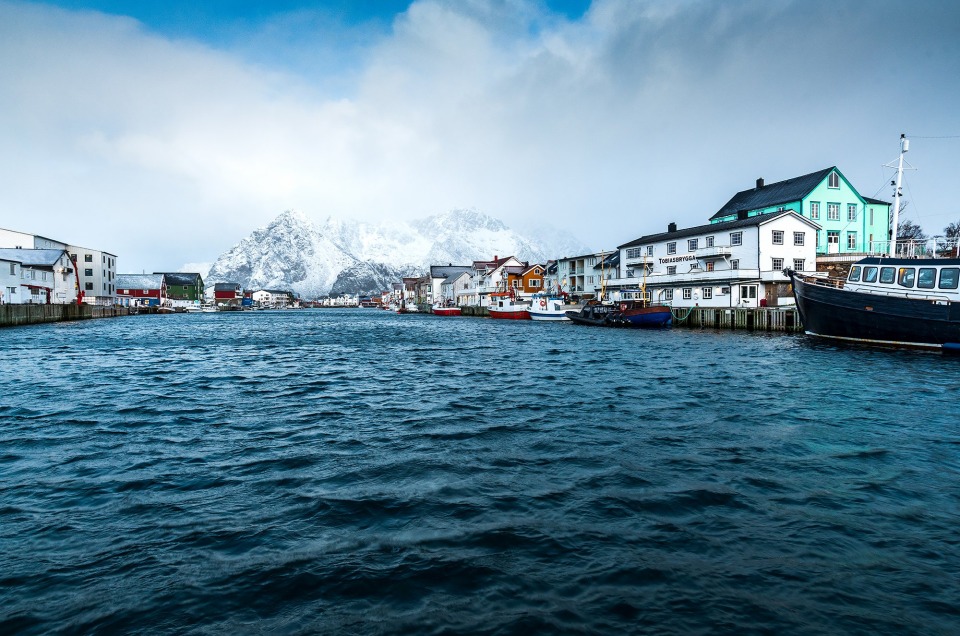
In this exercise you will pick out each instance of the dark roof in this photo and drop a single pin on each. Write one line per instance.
(708, 228)
(221, 286)
(774, 194)
(876, 201)
(447, 271)
(181, 278)
(552, 267)
(610, 262)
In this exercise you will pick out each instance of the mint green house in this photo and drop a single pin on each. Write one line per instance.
(850, 223)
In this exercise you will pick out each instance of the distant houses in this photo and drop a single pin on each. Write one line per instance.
(142, 290)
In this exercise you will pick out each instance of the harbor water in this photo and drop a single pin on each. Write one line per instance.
(358, 471)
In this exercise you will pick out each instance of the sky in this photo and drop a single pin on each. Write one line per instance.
(165, 132)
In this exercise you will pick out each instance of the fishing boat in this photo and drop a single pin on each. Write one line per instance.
(446, 309)
(894, 301)
(635, 311)
(549, 307)
(594, 314)
(506, 306)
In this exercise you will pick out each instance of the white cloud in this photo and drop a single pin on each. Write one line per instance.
(167, 151)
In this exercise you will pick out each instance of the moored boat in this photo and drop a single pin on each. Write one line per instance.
(445, 310)
(549, 307)
(506, 306)
(887, 301)
(634, 310)
(594, 314)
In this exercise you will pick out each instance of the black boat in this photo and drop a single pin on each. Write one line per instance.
(887, 301)
(595, 314)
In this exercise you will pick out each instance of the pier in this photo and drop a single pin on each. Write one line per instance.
(16, 315)
(752, 319)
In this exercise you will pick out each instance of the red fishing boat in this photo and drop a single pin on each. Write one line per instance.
(506, 306)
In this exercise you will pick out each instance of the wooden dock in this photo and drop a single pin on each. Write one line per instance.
(752, 319)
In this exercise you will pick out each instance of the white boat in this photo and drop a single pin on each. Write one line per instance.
(548, 307)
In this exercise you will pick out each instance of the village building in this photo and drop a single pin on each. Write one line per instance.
(184, 289)
(851, 225)
(141, 290)
(228, 294)
(439, 274)
(582, 276)
(37, 276)
(736, 263)
(273, 298)
(492, 276)
(97, 273)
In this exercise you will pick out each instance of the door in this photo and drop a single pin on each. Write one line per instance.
(748, 295)
(833, 242)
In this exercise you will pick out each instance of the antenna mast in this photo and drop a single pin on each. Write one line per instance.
(904, 147)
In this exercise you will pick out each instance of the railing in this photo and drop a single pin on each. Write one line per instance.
(717, 251)
(933, 247)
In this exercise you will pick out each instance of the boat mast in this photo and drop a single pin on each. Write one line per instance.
(904, 147)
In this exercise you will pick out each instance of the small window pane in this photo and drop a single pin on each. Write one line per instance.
(927, 278)
(887, 275)
(854, 274)
(949, 277)
(906, 276)
(869, 274)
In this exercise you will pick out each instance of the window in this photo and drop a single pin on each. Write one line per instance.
(692, 245)
(516, 283)
(88, 258)
(88, 286)
(748, 292)
(734, 263)
(906, 276)
(887, 275)
(927, 278)
(649, 250)
(687, 293)
(854, 276)
(814, 209)
(707, 293)
(871, 216)
(833, 211)
(777, 264)
(710, 265)
(870, 274)
(798, 264)
(43, 276)
(949, 276)
(535, 283)
(834, 180)
(778, 237)
(73, 257)
(736, 238)
(671, 248)
(851, 211)
(13, 268)
(88, 272)
(851, 240)
(798, 238)
(634, 252)
(708, 241)
(671, 270)
(668, 294)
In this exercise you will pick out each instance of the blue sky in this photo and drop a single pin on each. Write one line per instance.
(166, 131)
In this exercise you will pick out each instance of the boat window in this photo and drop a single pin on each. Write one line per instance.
(949, 277)
(869, 274)
(888, 274)
(906, 276)
(927, 278)
(854, 274)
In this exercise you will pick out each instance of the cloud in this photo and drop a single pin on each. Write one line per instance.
(638, 113)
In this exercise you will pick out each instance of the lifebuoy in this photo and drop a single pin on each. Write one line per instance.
(543, 303)
(623, 306)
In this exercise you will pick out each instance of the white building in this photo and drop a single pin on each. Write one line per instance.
(97, 271)
(731, 264)
(583, 276)
(274, 298)
(439, 275)
(37, 276)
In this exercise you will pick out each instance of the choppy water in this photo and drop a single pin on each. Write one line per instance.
(361, 472)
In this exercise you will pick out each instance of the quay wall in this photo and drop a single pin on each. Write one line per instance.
(16, 315)
(753, 319)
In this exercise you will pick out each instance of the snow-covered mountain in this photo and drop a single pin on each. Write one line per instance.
(339, 256)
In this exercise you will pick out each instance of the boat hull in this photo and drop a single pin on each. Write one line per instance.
(520, 314)
(832, 312)
(446, 311)
(655, 317)
(548, 316)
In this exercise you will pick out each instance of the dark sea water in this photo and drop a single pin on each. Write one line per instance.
(355, 471)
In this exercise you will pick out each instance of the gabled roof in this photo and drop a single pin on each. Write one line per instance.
(710, 228)
(139, 281)
(31, 257)
(181, 278)
(610, 262)
(774, 193)
(446, 271)
(532, 267)
(226, 286)
(552, 267)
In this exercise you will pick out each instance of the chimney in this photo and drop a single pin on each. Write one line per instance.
(759, 183)
(672, 227)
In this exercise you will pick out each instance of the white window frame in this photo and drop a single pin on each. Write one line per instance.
(851, 240)
(734, 263)
(672, 247)
(833, 181)
(668, 294)
(707, 293)
(798, 264)
(736, 238)
(692, 244)
(799, 238)
(851, 211)
(777, 237)
(814, 209)
(688, 293)
(708, 241)
(776, 264)
(671, 270)
(833, 211)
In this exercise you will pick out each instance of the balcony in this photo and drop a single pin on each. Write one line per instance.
(717, 251)
(638, 260)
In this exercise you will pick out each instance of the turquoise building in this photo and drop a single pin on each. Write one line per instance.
(850, 223)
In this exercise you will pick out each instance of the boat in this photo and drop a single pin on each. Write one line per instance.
(885, 300)
(888, 301)
(594, 314)
(506, 306)
(445, 309)
(635, 311)
(549, 307)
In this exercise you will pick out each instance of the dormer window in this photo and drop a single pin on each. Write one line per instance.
(833, 181)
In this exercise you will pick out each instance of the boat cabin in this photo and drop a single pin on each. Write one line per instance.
(935, 279)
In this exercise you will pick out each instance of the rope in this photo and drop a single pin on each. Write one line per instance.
(689, 311)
